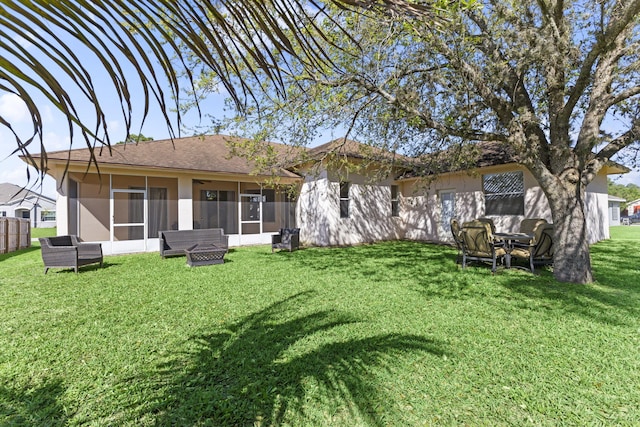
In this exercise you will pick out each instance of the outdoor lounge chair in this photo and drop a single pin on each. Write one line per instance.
(68, 252)
(540, 250)
(287, 238)
(479, 244)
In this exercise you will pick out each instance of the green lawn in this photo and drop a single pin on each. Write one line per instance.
(388, 334)
(43, 232)
(625, 232)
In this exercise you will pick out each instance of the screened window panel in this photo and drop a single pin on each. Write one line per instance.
(504, 193)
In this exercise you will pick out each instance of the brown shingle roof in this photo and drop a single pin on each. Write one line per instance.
(211, 153)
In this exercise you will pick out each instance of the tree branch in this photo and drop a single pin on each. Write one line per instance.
(602, 45)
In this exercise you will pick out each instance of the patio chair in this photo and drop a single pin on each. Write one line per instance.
(490, 222)
(529, 225)
(69, 252)
(540, 250)
(479, 244)
(287, 238)
(457, 237)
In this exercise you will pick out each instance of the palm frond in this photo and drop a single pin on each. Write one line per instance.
(143, 44)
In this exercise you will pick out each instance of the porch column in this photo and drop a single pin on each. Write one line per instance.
(62, 203)
(185, 203)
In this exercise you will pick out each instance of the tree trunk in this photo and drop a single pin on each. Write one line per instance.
(571, 261)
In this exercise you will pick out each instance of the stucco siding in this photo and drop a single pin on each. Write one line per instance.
(369, 220)
(422, 205)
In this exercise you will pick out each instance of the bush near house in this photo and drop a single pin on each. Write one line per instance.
(386, 334)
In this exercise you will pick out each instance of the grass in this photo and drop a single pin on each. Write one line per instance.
(625, 232)
(43, 232)
(386, 334)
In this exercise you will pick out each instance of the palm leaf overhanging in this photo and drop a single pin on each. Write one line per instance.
(145, 43)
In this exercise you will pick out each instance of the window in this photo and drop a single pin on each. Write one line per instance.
(158, 211)
(218, 210)
(269, 205)
(3, 213)
(447, 207)
(395, 205)
(47, 216)
(344, 200)
(503, 193)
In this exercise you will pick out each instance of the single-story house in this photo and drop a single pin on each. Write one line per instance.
(19, 202)
(331, 192)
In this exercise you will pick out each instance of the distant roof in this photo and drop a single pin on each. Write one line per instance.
(480, 154)
(613, 198)
(350, 148)
(12, 193)
(219, 154)
(212, 153)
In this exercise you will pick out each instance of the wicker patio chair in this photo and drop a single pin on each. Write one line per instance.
(287, 238)
(540, 250)
(69, 252)
(479, 244)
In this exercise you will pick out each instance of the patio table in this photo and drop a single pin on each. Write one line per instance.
(509, 239)
(204, 254)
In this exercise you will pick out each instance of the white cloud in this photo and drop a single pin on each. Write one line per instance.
(13, 108)
(55, 142)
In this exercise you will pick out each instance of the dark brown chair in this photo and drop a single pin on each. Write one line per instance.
(540, 250)
(287, 238)
(479, 244)
(69, 252)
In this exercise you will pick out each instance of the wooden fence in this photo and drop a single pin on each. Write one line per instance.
(15, 233)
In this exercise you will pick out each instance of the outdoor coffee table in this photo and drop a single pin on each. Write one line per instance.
(204, 254)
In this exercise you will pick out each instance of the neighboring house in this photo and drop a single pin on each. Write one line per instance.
(633, 207)
(19, 202)
(197, 182)
(614, 209)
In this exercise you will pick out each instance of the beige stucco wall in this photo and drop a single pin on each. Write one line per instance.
(370, 219)
(318, 209)
(421, 211)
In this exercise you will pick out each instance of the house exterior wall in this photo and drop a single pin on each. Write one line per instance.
(422, 205)
(370, 214)
(633, 207)
(614, 213)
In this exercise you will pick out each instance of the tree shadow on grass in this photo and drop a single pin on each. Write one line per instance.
(19, 252)
(33, 406)
(433, 272)
(379, 261)
(613, 299)
(264, 368)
